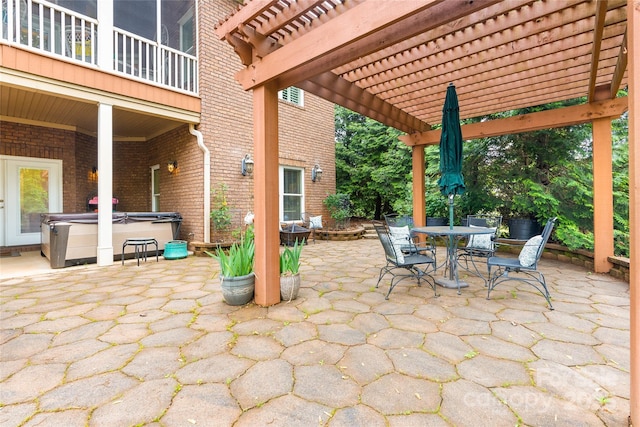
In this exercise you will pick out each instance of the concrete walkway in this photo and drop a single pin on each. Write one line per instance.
(156, 345)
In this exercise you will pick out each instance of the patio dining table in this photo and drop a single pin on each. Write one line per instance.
(451, 236)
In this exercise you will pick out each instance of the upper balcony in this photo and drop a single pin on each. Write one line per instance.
(152, 41)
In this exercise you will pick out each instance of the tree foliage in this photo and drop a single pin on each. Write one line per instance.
(537, 174)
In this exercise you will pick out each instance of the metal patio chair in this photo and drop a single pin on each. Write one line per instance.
(479, 245)
(526, 265)
(400, 265)
(400, 226)
(313, 223)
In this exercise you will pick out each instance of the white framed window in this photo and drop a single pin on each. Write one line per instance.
(187, 32)
(293, 95)
(291, 193)
(155, 188)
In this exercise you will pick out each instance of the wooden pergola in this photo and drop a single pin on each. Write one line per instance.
(391, 60)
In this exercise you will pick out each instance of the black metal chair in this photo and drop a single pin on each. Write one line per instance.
(526, 264)
(403, 265)
(400, 226)
(312, 223)
(479, 245)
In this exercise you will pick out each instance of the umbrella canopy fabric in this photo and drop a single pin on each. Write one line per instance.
(451, 182)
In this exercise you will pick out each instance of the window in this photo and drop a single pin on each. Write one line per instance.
(292, 95)
(187, 32)
(291, 194)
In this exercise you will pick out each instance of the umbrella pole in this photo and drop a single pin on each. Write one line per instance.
(451, 211)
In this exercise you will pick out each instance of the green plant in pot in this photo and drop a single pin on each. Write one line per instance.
(290, 271)
(237, 279)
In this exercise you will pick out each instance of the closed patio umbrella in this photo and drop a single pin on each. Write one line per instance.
(451, 181)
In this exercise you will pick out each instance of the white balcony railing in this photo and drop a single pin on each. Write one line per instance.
(60, 32)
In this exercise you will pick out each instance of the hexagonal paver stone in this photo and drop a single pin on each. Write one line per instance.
(515, 333)
(365, 363)
(87, 393)
(68, 418)
(154, 363)
(491, 372)
(465, 403)
(397, 394)
(393, 338)
(358, 415)
(369, 322)
(24, 346)
(295, 333)
(561, 333)
(286, 410)
(409, 322)
(30, 382)
(262, 382)
(219, 368)
(257, 347)
(341, 334)
(537, 408)
(326, 385)
(457, 326)
(495, 347)
(106, 360)
(447, 346)
(566, 353)
(420, 364)
(208, 345)
(175, 337)
(568, 383)
(201, 405)
(15, 415)
(313, 352)
(139, 405)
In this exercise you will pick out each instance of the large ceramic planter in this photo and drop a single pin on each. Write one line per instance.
(175, 249)
(289, 286)
(238, 290)
(523, 228)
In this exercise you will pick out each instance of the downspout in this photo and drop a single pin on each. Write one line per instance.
(206, 182)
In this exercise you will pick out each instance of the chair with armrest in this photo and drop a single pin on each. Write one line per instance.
(526, 265)
(400, 265)
(479, 245)
(400, 227)
(313, 223)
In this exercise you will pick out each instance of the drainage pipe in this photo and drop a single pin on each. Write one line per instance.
(207, 181)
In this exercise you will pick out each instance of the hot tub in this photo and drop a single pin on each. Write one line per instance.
(72, 238)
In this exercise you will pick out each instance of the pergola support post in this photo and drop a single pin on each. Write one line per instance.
(602, 195)
(417, 168)
(633, 45)
(265, 181)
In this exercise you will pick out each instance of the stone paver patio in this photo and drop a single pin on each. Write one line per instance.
(156, 345)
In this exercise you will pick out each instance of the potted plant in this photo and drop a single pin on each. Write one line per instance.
(290, 271)
(237, 279)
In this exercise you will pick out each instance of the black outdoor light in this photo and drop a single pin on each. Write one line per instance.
(247, 165)
(316, 173)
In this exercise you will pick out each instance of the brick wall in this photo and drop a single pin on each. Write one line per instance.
(306, 138)
(306, 134)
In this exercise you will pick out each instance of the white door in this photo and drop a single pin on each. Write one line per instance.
(31, 187)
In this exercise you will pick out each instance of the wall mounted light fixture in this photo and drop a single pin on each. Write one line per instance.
(172, 167)
(316, 173)
(247, 165)
(93, 174)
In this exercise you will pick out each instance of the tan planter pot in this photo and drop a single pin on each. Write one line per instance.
(289, 286)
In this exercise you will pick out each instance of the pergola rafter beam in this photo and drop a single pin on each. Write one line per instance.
(598, 30)
(547, 119)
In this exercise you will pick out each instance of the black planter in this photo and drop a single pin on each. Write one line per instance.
(523, 228)
(437, 221)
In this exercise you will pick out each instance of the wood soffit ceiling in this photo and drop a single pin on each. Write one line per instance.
(392, 60)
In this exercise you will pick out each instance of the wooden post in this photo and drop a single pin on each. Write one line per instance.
(633, 45)
(417, 166)
(265, 181)
(602, 195)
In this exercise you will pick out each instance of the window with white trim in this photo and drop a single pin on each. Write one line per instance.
(293, 95)
(291, 193)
